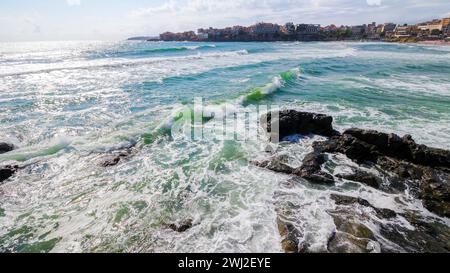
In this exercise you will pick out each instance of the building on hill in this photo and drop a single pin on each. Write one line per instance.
(388, 29)
(308, 28)
(289, 28)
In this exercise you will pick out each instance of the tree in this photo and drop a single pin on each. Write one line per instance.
(435, 32)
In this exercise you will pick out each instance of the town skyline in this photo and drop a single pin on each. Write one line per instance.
(27, 20)
(436, 29)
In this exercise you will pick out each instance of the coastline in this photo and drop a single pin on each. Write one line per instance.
(397, 40)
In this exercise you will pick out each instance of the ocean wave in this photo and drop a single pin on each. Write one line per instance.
(180, 48)
(94, 64)
(258, 93)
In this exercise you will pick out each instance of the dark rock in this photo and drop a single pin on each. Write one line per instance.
(435, 192)
(115, 158)
(276, 164)
(311, 169)
(363, 177)
(342, 200)
(6, 147)
(7, 171)
(402, 148)
(181, 227)
(352, 147)
(432, 185)
(111, 161)
(428, 236)
(292, 122)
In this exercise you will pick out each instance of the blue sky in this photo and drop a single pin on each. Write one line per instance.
(24, 20)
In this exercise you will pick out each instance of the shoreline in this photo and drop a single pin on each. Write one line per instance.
(425, 42)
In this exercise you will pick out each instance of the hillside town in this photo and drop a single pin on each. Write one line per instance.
(438, 29)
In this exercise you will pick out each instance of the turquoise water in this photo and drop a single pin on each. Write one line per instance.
(65, 104)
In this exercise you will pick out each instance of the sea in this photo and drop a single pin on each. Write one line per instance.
(68, 105)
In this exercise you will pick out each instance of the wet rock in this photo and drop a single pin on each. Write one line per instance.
(342, 242)
(342, 200)
(116, 158)
(364, 178)
(432, 185)
(7, 171)
(311, 169)
(292, 122)
(435, 192)
(352, 235)
(402, 148)
(424, 171)
(6, 147)
(276, 164)
(181, 227)
(289, 235)
(427, 235)
(352, 147)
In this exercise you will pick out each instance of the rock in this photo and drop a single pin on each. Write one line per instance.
(292, 122)
(435, 192)
(311, 169)
(289, 235)
(115, 158)
(428, 236)
(342, 200)
(402, 148)
(352, 147)
(7, 171)
(402, 164)
(276, 164)
(432, 185)
(6, 147)
(363, 177)
(342, 242)
(111, 161)
(181, 227)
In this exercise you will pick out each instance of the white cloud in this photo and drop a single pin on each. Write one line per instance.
(373, 2)
(73, 2)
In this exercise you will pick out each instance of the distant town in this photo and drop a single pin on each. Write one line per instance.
(437, 30)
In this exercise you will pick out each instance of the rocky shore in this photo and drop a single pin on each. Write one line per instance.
(384, 162)
(8, 170)
(398, 165)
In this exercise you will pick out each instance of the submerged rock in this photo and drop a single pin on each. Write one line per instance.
(115, 158)
(7, 171)
(181, 227)
(292, 122)
(6, 147)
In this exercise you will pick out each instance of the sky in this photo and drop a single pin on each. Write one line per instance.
(41, 20)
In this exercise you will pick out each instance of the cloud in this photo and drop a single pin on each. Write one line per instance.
(373, 2)
(73, 2)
